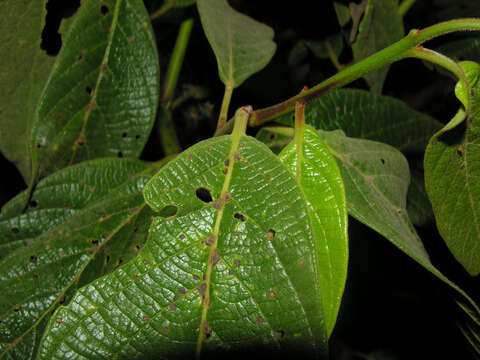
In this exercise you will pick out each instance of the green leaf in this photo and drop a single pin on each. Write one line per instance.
(343, 13)
(58, 249)
(418, 205)
(451, 177)
(320, 50)
(376, 179)
(362, 114)
(322, 185)
(381, 26)
(462, 49)
(241, 45)
(98, 99)
(22, 81)
(235, 269)
(182, 3)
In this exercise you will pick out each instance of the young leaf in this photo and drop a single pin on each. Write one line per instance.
(362, 114)
(241, 45)
(381, 26)
(106, 224)
(451, 178)
(322, 185)
(235, 269)
(100, 97)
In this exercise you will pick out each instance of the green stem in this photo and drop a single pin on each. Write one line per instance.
(405, 6)
(333, 57)
(390, 54)
(222, 119)
(434, 57)
(167, 6)
(176, 61)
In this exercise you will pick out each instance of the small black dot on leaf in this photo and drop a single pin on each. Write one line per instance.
(271, 234)
(382, 161)
(15, 230)
(104, 9)
(239, 217)
(204, 194)
(88, 89)
(137, 137)
(33, 203)
(33, 258)
(279, 334)
(124, 135)
(120, 154)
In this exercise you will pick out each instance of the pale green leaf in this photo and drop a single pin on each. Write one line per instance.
(381, 26)
(322, 185)
(452, 171)
(241, 45)
(362, 114)
(89, 219)
(236, 269)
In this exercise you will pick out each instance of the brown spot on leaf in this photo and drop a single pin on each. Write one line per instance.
(217, 205)
(215, 257)
(131, 38)
(237, 156)
(210, 149)
(271, 294)
(207, 330)
(145, 318)
(210, 240)
(104, 218)
(80, 141)
(241, 145)
(195, 277)
(271, 234)
(182, 237)
(182, 290)
(226, 162)
(202, 288)
(58, 320)
(16, 307)
(279, 334)
(260, 319)
(236, 262)
(227, 197)
(301, 262)
(225, 171)
(145, 262)
(165, 330)
(33, 258)
(267, 177)
(239, 217)
(172, 307)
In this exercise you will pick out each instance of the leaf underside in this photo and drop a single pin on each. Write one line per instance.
(236, 268)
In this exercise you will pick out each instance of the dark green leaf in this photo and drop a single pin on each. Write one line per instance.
(104, 224)
(320, 180)
(381, 26)
(365, 115)
(343, 13)
(451, 177)
(235, 269)
(100, 97)
(418, 205)
(241, 45)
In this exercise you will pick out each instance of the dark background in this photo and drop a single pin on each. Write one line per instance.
(392, 307)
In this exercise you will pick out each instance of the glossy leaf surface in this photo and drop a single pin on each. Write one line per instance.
(241, 45)
(381, 26)
(452, 174)
(322, 185)
(362, 114)
(236, 267)
(98, 99)
(89, 219)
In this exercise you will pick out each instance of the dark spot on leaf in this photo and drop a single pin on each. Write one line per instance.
(241, 145)
(165, 330)
(210, 240)
(182, 290)
(217, 205)
(93, 241)
(136, 248)
(237, 156)
(267, 177)
(145, 318)
(202, 288)
(35, 276)
(107, 259)
(260, 319)
(225, 171)
(195, 277)
(120, 154)
(215, 257)
(230, 272)
(124, 135)
(239, 217)
(33, 258)
(168, 211)
(279, 334)
(301, 262)
(33, 203)
(145, 262)
(182, 237)
(81, 55)
(207, 330)
(226, 162)
(236, 262)
(204, 194)
(272, 136)
(227, 197)
(88, 89)
(172, 307)
(119, 262)
(271, 294)
(16, 307)
(271, 234)
(58, 320)
(134, 277)
(15, 230)
(190, 156)
(137, 137)
(235, 234)
(135, 229)
(104, 9)
(210, 149)
(61, 300)
(38, 145)
(383, 161)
